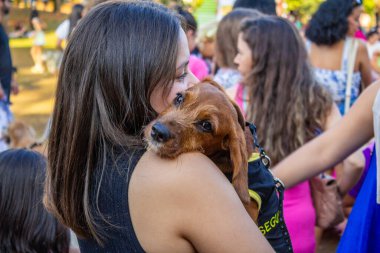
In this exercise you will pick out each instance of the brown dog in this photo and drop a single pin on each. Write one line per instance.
(203, 118)
(22, 135)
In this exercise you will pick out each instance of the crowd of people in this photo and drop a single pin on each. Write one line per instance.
(312, 93)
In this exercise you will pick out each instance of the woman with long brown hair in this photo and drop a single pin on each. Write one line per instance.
(227, 33)
(124, 64)
(280, 95)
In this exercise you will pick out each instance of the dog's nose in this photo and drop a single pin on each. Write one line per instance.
(160, 133)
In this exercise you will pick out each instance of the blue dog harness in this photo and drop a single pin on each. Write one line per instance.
(268, 192)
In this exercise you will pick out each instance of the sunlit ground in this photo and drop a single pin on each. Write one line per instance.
(35, 101)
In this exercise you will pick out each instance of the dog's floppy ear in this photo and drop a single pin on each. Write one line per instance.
(239, 160)
(239, 114)
(213, 83)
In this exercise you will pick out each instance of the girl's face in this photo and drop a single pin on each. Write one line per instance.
(184, 77)
(353, 20)
(244, 56)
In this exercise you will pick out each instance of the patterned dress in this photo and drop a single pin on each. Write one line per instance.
(336, 80)
(227, 77)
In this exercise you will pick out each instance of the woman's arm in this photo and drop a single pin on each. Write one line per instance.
(364, 65)
(349, 171)
(191, 205)
(353, 131)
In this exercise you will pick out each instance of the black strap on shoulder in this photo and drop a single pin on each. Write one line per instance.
(264, 158)
(279, 188)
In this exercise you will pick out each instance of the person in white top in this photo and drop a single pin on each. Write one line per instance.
(38, 36)
(373, 47)
(66, 27)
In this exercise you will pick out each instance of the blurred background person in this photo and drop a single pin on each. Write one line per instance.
(7, 70)
(264, 6)
(277, 78)
(331, 45)
(373, 47)
(330, 36)
(206, 44)
(197, 65)
(227, 33)
(67, 26)
(38, 36)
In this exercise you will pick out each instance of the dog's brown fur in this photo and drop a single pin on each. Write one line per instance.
(22, 135)
(225, 144)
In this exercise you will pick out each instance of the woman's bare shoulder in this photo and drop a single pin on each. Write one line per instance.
(181, 169)
(189, 197)
(362, 48)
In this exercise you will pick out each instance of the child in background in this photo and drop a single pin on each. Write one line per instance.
(206, 44)
(67, 26)
(227, 33)
(373, 47)
(38, 42)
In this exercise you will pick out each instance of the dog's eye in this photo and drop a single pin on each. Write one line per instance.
(178, 99)
(206, 126)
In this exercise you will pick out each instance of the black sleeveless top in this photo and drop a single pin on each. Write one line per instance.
(114, 207)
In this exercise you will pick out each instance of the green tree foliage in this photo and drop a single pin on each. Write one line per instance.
(304, 8)
(369, 6)
(191, 4)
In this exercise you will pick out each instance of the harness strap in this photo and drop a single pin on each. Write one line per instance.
(256, 197)
(264, 158)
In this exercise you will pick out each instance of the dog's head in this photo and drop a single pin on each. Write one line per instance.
(21, 135)
(203, 118)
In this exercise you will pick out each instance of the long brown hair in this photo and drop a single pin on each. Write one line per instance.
(285, 102)
(227, 36)
(25, 225)
(116, 56)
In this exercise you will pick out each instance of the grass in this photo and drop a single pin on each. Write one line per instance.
(35, 101)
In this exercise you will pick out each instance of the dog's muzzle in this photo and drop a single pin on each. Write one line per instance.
(160, 133)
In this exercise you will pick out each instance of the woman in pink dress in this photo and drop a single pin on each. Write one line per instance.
(279, 95)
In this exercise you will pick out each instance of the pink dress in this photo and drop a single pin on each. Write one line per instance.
(360, 35)
(299, 215)
(299, 212)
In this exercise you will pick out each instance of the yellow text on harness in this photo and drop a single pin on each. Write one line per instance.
(270, 224)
